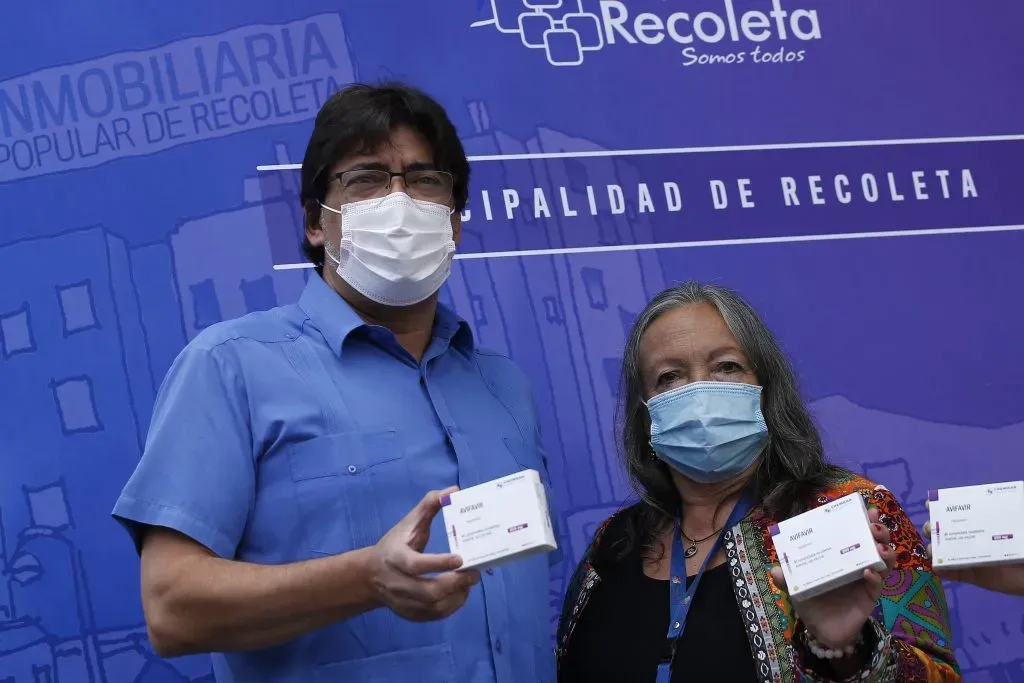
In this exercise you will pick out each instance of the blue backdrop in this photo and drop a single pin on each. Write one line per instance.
(852, 167)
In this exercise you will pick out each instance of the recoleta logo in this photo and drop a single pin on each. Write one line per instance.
(568, 29)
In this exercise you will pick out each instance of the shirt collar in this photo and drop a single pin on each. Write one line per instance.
(451, 327)
(336, 319)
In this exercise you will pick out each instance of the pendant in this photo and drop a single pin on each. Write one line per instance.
(690, 552)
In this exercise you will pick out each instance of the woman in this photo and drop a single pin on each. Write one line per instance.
(720, 447)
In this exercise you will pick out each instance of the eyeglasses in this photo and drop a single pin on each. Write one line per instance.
(428, 186)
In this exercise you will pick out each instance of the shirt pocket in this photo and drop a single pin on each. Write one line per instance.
(433, 664)
(526, 455)
(342, 482)
(495, 456)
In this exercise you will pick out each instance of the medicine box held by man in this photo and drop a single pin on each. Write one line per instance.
(499, 521)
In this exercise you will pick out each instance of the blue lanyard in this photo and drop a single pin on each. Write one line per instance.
(681, 597)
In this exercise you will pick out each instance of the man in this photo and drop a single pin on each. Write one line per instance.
(286, 503)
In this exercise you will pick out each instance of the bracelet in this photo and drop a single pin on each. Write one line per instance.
(822, 652)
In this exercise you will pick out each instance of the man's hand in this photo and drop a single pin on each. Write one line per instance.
(400, 571)
(197, 602)
(1008, 578)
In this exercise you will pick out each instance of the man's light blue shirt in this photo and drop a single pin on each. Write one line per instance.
(302, 432)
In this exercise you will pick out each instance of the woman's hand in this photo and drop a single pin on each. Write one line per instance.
(1007, 578)
(836, 618)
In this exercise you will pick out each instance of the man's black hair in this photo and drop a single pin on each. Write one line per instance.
(359, 119)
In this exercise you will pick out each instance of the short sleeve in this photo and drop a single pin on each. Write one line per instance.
(197, 472)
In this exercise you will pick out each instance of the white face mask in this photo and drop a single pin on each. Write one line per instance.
(396, 250)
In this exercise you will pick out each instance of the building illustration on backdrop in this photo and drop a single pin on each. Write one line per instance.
(243, 280)
(88, 347)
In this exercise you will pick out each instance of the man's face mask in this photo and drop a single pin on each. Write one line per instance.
(395, 250)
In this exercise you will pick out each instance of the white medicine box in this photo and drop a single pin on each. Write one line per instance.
(827, 547)
(499, 521)
(977, 525)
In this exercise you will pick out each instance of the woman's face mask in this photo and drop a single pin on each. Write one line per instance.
(708, 431)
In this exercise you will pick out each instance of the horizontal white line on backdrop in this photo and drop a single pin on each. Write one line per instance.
(715, 243)
(701, 150)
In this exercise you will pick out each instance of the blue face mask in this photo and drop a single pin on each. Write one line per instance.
(708, 431)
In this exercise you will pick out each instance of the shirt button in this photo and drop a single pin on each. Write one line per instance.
(497, 646)
(675, 625)
(352, 469)
(490, 571)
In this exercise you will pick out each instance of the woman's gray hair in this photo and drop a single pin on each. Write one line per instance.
(793, 466)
